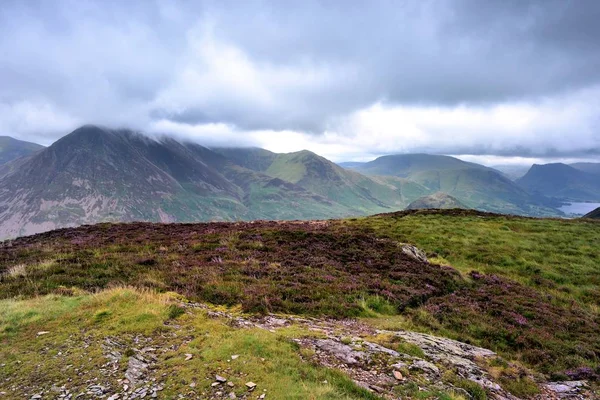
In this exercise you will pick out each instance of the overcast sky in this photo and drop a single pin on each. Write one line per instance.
(497, 81)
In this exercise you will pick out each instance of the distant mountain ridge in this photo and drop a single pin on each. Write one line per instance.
(11, 149)
(561, 181)
(474, 185)
(96, 174)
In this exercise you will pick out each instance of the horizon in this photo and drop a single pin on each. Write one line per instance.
(488, 161)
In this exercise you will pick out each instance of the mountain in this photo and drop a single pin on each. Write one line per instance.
(11, 149)
(562, 182)
(438, 200)
(591, 168)
(593, 214)
(359, 193)
(474, 185)
(96, 174)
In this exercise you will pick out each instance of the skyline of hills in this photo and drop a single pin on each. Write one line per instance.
(96, 174)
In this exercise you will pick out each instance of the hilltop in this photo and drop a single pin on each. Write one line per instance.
(347, 302)
(438, 200)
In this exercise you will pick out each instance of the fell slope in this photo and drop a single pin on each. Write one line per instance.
(11, 149)
(96, 174)
(472, 184)
(593, 214)
(562, 181)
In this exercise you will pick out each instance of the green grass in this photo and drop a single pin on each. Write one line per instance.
(559, 257)
(533, 299)
(78, 326)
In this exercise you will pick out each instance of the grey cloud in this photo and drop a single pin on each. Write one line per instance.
(125, 62)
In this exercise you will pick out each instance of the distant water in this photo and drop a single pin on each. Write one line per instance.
(579, 208)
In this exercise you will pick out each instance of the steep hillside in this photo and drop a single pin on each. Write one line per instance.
(438, 200)
(593, 214)
(561, 181)
(322, 176)
(11, 149)
(253, 158)
(474, 185)
(357, 192)
(96, 174)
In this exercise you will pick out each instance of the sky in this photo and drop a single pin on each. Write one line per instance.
(495, 81)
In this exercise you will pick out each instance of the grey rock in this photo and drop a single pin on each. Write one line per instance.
(341, 351)
(426, 366)
(136, 369)
(414, 252)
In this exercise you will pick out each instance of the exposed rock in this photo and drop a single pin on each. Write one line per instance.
(136, 368)
(566, 389)
(426, 367)
(251, 385)
(398, 375)
(341, 351)
(220, 379)
(414, 252)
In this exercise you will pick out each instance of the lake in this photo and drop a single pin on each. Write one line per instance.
(579, 208)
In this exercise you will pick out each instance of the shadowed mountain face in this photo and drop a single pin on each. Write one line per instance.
(562, 181)
(11, 149)
(594, 214)
(474, 185)
(435, 201)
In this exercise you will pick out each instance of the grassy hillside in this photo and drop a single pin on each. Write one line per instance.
(526, 288)
(91, 339)
(348, 188)
(474, 185)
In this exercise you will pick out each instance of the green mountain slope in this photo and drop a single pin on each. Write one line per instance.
(11, 149)
(322, 176)
(253, 158)
(96, 174)
(562, 181)
(356, 192)
(472, 184)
